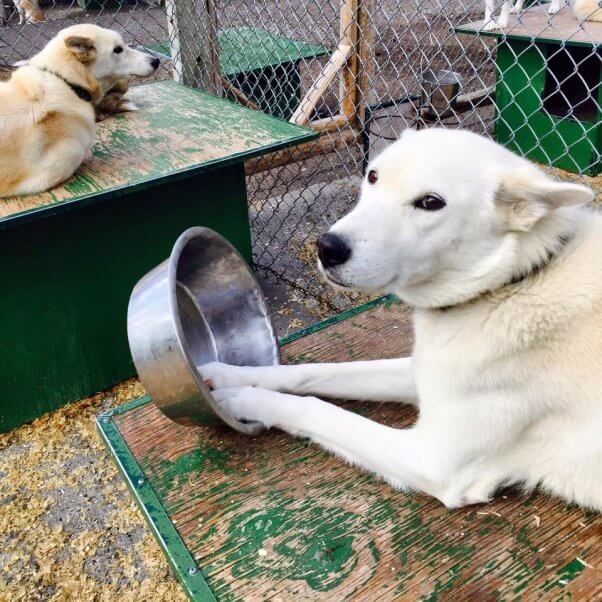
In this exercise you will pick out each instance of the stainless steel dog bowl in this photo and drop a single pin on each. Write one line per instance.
(440, 89)
(200, 305)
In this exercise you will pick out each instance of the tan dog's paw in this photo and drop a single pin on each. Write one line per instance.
(113, 102)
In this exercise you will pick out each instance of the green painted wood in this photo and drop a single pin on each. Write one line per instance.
(274, 518)
(264, 66)
(178, 133)
(70, 257)
(523, 124)
(245, 49)
(68, 280)
(528, 56)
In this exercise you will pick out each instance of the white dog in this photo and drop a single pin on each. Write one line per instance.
(48, 107)
(503, 266)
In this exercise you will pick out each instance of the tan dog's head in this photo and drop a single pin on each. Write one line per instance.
(101, 51)
(32, 11)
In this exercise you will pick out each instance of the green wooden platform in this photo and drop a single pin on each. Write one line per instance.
(70, 257)
(264, 66)
(274, 518)
(548, 92)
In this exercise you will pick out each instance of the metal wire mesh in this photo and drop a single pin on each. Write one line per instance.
(535, 87)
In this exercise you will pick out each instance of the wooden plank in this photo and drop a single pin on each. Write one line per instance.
(246, 49)
(536, 25)
(273, 518)
(193, 38)
(337, 140)
(176, 130)
(349, 37)
(308, 104)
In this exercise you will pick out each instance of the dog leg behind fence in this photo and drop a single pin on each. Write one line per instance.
(378, 380)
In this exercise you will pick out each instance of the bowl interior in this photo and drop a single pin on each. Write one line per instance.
(222, 311)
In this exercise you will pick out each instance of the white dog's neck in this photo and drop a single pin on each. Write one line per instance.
(520, 256)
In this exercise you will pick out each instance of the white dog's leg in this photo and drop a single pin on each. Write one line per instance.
(555, 6)
(518, 7)
(380, 380)
(400, 456)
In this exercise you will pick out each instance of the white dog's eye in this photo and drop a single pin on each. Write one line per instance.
(430, 202)
(118, 49)
(372, 176)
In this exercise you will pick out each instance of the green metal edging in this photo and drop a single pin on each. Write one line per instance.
(182, 562)
(299, 334)
(186, 569)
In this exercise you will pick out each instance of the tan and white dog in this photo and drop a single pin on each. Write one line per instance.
(29, 12)
(503, 267)
(48, 106)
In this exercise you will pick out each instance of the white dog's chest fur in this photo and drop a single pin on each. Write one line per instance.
(515, 378)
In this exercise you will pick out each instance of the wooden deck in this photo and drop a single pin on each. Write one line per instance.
(177, 131)
(536, 24)
(273, 518)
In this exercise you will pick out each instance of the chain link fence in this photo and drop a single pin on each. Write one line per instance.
(359, 72)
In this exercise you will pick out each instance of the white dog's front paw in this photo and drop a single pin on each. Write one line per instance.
(491, 25)
(222, 376)
(268, 407)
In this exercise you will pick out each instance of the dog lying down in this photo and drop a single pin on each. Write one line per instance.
(48, 107)
(503, 267)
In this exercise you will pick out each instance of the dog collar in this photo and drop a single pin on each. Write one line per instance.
(81, 92)
(535, 269)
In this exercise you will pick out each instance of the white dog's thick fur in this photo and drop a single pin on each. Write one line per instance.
(47, 107)
(506, 282)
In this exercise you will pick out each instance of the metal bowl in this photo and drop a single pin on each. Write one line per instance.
(440, 89)
(200, 305)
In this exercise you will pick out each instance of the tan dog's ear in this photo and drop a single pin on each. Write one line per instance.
(526, 195)
(81, 47)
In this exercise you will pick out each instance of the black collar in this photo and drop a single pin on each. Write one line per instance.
(535, 269)
(82, 93)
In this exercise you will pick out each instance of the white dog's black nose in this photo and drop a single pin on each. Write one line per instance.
(333, 250)
(155, 62)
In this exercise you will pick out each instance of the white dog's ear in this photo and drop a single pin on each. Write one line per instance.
(526, 195)
(81, 47)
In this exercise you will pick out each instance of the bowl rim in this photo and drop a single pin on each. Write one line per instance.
(251, 428)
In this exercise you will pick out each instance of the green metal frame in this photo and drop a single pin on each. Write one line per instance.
(189, 574)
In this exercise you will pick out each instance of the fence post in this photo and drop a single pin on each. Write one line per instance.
(193, 40)
(349, 77)
(366, 52)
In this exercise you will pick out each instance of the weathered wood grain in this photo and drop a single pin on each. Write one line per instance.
(177, 129)
(279, 519)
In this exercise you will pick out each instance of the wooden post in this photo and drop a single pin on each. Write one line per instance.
(193, 40)
(349, 77)
(366, 67)
(310, 101)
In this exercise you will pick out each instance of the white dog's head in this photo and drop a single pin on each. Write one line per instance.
(444, 215)
(102, 51)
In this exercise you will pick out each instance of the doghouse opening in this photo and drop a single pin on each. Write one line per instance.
(571, 82)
